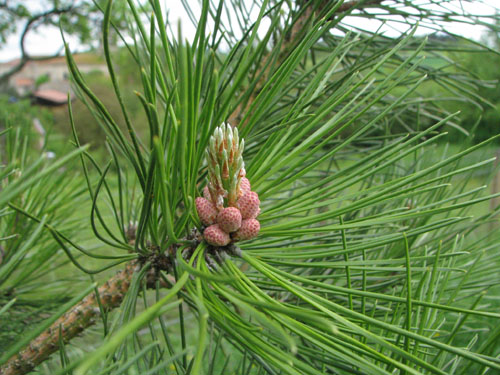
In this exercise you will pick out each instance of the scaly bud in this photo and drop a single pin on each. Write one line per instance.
(225, 165)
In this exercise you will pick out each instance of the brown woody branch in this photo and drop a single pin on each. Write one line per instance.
(75, 321)
(263, 72)
(80, 317)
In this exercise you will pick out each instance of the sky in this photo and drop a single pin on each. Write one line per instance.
(47, 40)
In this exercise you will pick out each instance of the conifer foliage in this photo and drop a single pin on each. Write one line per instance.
(349, 240)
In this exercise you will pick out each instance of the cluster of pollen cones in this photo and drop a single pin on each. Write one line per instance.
(232, 223)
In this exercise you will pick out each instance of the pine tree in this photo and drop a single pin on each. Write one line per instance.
(292, 209)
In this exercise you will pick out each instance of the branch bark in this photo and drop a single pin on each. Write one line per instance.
(75, 321)
(83, 315)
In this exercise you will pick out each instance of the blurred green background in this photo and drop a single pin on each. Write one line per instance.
(479, 118)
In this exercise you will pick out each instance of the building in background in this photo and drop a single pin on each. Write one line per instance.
(47, 81)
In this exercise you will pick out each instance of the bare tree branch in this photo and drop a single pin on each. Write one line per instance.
(31, 23)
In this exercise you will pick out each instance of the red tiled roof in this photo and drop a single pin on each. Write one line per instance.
(53, 96)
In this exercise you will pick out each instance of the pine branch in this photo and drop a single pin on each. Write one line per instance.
(263, 72)
(71, 324)
(290, 40)
(111, 293)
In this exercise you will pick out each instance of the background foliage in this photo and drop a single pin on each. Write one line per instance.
(377, 252)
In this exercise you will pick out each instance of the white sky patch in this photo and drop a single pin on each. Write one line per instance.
(43, 41)
(474, 13)
(47, 40)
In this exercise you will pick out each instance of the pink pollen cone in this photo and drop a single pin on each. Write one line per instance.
(244, 186)
(206, 194)
(229, 219)
(206, 211)
(214, 235)
(249, 205)
(249, 229)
